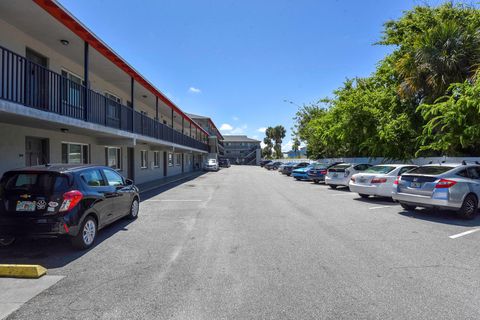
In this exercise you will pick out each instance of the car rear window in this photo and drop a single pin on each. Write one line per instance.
(431, 170)
(35, 183)
(342, 166)
(380, 169)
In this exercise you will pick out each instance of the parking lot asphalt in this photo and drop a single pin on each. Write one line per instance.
(247, 243)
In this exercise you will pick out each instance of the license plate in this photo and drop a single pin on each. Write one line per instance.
(334, 175)
(362, 180)
(25, 206)
(416, 185)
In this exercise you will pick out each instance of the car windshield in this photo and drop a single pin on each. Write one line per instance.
(380, 169)
(431, 170)
(342, 166)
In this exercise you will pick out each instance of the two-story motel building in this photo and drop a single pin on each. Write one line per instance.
(66, 97)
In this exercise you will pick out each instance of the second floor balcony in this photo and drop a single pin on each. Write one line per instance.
(27, 83)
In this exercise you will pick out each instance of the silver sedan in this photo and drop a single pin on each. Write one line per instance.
(446, 185)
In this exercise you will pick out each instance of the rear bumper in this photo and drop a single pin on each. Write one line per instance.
(302, 176)
(317, 178)
(380, 190)
(424, 201)
(33, 227)
(337, 182)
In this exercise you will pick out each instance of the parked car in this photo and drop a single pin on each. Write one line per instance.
(340, 174)
(224, 163)
(64, 200)
(378, 180)
(211, 165)
(302, 173)
(281, 168)
(317, 174)
(264, 162)
(446, 186)
(273, 165)
(294, 165)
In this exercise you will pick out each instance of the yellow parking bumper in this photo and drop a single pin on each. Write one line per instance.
(29, 271)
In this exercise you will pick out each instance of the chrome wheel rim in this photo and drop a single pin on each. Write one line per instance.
(470, 206)
(135, 208)
(89, 232)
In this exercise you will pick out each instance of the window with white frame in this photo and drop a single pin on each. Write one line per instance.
(72, 88)
(170, 159)
(113, 109)
(76, 153)
(113, 157)
(143, 159)
(156, 159)
(178, 159)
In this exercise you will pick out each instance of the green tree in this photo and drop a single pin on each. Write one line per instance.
(278, 134)
(295, 145)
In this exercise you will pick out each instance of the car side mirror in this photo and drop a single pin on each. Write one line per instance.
(129, 182)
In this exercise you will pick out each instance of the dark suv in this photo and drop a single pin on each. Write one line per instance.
(224, 163)
(64, 200)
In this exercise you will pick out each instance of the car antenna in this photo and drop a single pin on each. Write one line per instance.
(430, 162)
(464, 162)
(476, 162)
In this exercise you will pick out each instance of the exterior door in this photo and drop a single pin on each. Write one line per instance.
(36, 151)
(37, 79)
(165, 163)
(131, 163)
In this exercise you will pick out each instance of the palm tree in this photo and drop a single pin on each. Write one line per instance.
(278, 135)
(445, 54)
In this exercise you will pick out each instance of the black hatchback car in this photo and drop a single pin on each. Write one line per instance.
(64, 200)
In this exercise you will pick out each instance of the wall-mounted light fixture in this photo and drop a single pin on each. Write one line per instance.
(64, 42)
(144, 96)
(64, 130)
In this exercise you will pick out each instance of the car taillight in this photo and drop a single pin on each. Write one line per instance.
(397, 180)
(70, 200)
(323, 171)
(379, 180)
(445, 184)
(353, 179)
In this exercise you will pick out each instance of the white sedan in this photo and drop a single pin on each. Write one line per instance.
(378, 180)
(340, 174)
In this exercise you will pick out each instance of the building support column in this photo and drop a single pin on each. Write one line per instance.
(156, 108)
(172, 120)
(132, 99)
(86, 104)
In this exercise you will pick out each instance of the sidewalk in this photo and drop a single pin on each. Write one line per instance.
(152, 185)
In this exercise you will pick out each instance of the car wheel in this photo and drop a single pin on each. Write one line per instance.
(316, 181)
(332, 186)
(298, 179)
(86, 235)
(469, 207)
(407, 207)
(6, 241)
(134, 208)
(364, 196)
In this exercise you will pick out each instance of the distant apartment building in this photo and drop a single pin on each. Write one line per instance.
(242, 150)
(66, 97)
(300, 153)
(215, 138)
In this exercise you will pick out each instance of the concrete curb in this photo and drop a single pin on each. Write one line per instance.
(167, 183)
(29, 271)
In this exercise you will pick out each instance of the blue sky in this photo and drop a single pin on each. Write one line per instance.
(237, 61)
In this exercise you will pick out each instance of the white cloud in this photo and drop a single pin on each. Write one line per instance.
(262, 129)
(239, 130)
(287, 146)
(194, 90)
(226, 127)
(235, 118)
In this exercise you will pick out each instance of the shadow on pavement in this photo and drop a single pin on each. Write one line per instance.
(441, 216)
(377, 200)
(58, 252)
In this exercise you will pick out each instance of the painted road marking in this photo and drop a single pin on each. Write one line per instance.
(455, 236)
(381, 207)
(342, 194)
(173, 200)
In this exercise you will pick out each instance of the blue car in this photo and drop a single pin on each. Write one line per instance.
(301, 172)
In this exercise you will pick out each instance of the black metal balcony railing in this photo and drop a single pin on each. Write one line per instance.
(27, 83)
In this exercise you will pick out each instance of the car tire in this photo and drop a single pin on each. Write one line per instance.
(86, 235)
(364, 196)
(316, 181)
(408, 207)
(6, 241)
(298, 179)
(134, 209)
(332, 186)
(469, 207)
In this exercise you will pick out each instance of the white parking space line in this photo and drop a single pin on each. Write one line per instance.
(455, 236)
(342, 194)
(381, 207)
(173, 200)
